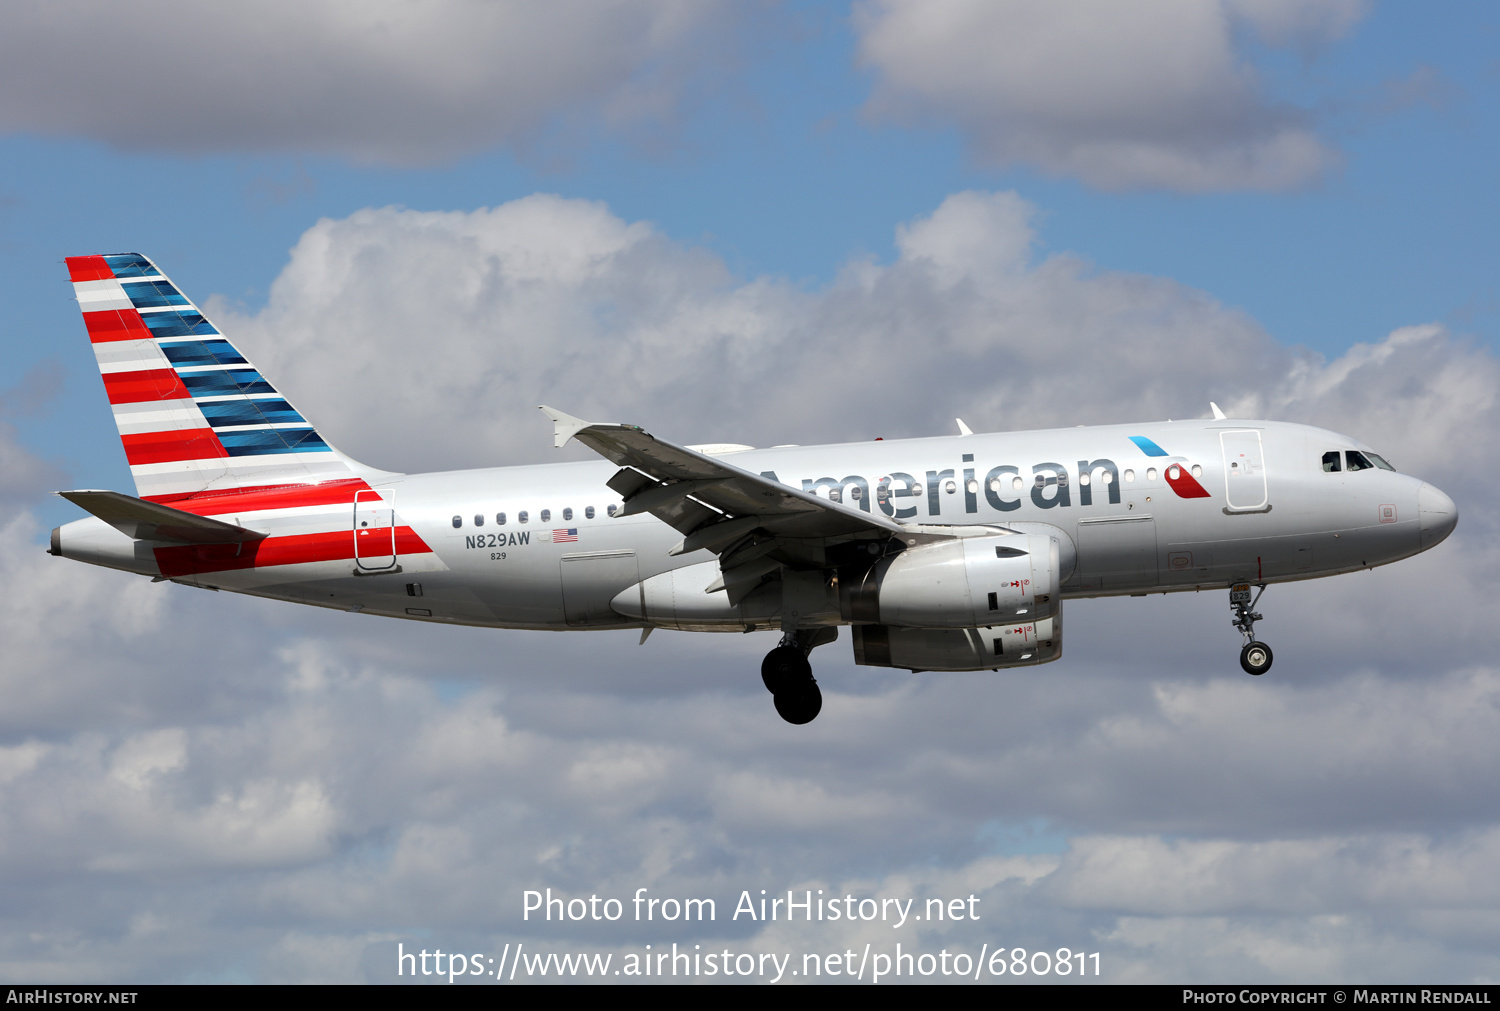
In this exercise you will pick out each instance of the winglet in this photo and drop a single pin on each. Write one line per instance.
(565, 426)
(1218, 414)
(962, 428)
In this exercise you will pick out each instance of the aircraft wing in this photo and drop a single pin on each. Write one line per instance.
(712, 502)
(151, 521)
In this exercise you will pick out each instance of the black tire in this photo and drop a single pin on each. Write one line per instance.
(800, 705)
(784, 669)
(1256, 658)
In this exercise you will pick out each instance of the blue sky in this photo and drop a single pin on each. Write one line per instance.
(1294, 215)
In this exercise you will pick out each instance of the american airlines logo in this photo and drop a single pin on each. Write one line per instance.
(1004, 488)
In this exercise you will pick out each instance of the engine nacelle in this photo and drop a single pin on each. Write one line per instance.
(1021, 644)
(965, 582)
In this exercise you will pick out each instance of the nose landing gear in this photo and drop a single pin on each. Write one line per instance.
(788, 676)
(1256, 657)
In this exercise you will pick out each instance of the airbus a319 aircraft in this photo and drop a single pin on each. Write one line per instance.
(940, 554)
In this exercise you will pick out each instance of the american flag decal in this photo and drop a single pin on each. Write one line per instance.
(568, 536)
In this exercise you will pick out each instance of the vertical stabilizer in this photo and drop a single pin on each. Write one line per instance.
(194, 415)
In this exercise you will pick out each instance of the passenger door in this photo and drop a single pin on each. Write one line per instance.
(375, 529)
(1244, 472)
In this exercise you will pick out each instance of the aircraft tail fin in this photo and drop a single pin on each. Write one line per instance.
(194, 415)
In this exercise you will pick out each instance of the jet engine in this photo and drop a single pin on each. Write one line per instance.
(958, 583)
(1018, 644)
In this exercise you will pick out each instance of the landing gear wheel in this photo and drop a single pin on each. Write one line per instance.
(1255, 658)
(784, 669)
(800, 704)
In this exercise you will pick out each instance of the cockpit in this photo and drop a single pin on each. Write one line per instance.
(1352, 459)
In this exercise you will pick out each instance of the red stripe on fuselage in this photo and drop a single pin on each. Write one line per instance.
(115, 325)
(88, 268)
(276, 496)
(331, 546)
(144, 385)
(168, 447)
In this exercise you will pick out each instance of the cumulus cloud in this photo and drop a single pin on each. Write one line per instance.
(196, 785)
(1156, 95)
(465, 321)
(26, 474)
(409, 83)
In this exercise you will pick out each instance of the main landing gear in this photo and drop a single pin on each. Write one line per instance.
(1256, 656)
(788, 675)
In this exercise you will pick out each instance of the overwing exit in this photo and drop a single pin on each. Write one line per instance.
(940, 554)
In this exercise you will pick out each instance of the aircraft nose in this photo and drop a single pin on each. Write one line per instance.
(1437, 514)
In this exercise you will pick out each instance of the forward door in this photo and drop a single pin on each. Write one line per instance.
(1244, 472)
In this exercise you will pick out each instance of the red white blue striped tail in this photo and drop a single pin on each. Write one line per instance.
(195, 416)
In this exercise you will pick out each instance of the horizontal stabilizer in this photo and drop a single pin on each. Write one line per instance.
(148, 521)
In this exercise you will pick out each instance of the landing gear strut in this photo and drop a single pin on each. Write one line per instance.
(788, 676)
(1256, 656)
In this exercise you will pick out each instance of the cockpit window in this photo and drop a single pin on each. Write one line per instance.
(1379, 461)
(1357, 461)
(1331, 462)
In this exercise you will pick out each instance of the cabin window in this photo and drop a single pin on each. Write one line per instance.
(1331, 462)
(1197, 471)
(588, 512)
(1150, 473)
(1017, 483)
(1357, 461)
(567, 514)
(611, 510)
(499, 519)
(1129, 476)
(479, 519)
(546, 515)
(458, 521)
(950, 487)
(522, 517)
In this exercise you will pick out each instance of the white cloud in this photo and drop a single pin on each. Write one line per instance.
(386, 81)
(465, 321)
(1156, 94)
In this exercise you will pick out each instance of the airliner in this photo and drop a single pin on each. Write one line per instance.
(951, 553)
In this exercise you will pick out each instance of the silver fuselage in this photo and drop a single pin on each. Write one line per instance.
(1273, 514)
